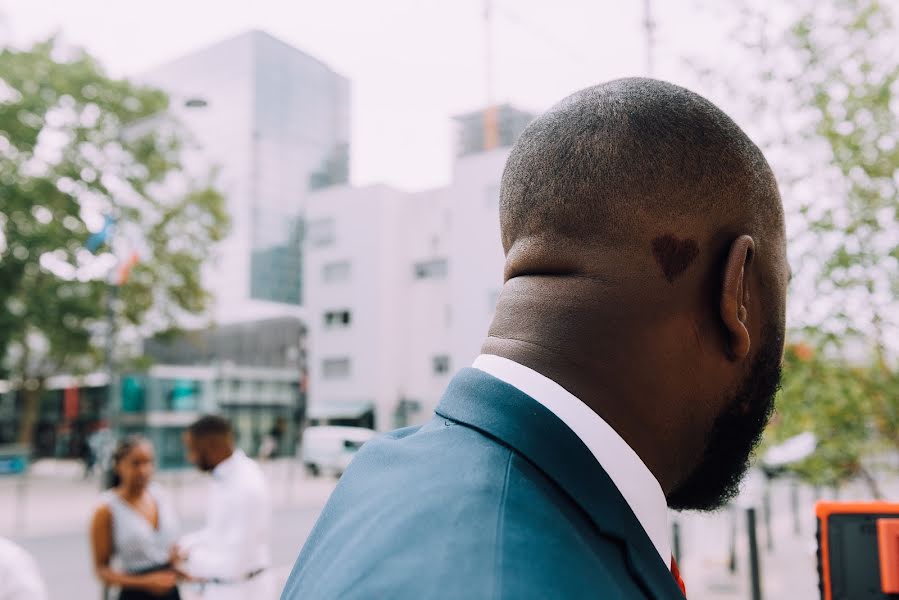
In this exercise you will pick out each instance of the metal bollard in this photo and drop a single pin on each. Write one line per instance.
(675, 539)
(794, 504)
(766, 510)
(754, 574)
(732, 559)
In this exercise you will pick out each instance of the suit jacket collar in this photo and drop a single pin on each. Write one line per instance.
(503, 412)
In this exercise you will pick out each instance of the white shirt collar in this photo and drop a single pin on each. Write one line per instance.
(227, 466)
(630, 475)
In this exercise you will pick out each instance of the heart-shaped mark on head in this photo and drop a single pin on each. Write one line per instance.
(674, 255)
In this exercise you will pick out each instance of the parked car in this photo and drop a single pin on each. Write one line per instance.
(330, 448)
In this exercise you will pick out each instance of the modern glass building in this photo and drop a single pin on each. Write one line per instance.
(274, 122)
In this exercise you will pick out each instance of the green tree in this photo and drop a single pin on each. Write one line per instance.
(826, 397)
(77, 146)
(816, 84)
(849, 77)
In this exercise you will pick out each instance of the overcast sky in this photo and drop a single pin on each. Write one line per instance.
(412, 63)
(415, 63)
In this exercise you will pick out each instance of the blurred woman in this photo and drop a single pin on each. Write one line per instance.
(135, 527)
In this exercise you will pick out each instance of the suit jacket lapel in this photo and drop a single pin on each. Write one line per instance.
(503, 412)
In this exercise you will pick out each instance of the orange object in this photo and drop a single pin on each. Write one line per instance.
(125, 268)
(491, 128)
(888, 549)
(675, 572)
(825, 510)
(70, 403)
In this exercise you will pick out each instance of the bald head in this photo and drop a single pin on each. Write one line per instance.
(646, 274)
(633, 161)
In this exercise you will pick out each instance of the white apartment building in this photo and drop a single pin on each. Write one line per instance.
(401, 289)
(476, 255)
(375, 260)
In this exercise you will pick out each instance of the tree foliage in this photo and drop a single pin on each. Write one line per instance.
(849, 79)
(77, 147)
(828, 398)
(817, 86)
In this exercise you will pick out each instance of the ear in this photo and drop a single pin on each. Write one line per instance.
(735, 296)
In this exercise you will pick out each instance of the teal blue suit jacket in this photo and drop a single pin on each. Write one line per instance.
(493, 498)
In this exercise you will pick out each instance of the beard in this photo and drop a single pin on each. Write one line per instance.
(735, 434)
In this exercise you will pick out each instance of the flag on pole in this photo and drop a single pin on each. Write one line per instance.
(96, 240)
(125, 268)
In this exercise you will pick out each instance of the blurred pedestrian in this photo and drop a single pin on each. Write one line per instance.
(19, 575)
(271, 444)
(103, 445)
(267, 448)
(230, 556)
(86, 453)
(136, 527)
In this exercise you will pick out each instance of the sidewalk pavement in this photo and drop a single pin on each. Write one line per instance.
(55, 499)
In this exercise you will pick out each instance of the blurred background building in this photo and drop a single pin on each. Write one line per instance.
(379, 294)
(253, 373)
(274, 121)
(497, 126)
(401, 287)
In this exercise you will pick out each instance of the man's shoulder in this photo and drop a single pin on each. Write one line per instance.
(251, 476)
(404, 479)
(449, 453)
(543, 532)
(445, 465)
(446, 505)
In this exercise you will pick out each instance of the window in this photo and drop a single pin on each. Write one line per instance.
(336, 368)
(441, 364)
(430, 269)
(320, 232)
(134, 394)
(335, 319)
(181, 394)
(336, 271)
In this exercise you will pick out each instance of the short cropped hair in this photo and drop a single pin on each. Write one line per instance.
(210, 425)
(621, 157)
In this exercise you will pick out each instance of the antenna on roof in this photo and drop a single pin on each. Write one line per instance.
(491, 126)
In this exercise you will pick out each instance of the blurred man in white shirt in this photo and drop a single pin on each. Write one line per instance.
(19, 575)
(230, 556)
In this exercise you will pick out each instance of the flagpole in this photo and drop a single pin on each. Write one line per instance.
(111, 295)
(112, 292)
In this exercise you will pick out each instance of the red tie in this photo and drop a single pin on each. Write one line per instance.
(676, 573)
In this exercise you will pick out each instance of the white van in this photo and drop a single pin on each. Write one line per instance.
(330, 448)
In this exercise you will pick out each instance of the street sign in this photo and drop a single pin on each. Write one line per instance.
(13, 459)
(12, 465)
